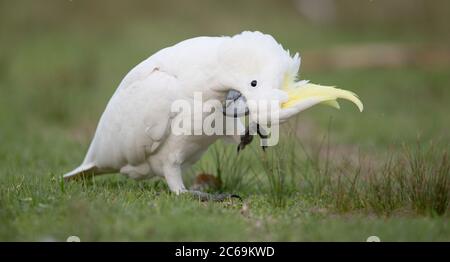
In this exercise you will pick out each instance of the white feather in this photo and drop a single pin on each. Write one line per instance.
(134, 135)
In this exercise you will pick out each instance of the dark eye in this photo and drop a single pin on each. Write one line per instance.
(254, 83)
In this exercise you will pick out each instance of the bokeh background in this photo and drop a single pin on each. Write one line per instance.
(60, 61)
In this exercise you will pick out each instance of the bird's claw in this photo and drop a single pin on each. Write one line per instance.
(262, 134)
(247, 138)
(202, 196)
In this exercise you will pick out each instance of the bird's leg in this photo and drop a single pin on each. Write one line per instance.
(172, 173)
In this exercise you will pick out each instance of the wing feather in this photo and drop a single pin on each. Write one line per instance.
(135, 122)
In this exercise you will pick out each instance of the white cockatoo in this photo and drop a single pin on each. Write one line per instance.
(134, 135)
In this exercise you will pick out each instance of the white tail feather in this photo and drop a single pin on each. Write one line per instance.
(83, 169)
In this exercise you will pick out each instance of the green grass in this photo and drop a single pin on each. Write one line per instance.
(41, 208)
(336, 175)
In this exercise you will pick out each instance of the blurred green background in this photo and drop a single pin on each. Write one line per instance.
(60, 61)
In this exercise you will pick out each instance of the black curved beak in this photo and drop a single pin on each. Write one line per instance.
(235, 105)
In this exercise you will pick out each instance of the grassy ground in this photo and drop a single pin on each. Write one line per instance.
(337, 175)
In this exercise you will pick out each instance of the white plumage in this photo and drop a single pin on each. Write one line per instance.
(134, 136)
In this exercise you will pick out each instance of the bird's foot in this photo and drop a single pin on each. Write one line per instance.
(202, 196)
(248, 137)
(245, 140)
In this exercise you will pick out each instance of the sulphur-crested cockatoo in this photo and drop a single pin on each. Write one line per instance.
(135, 136)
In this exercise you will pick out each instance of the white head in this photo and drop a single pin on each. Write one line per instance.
(256, 66)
